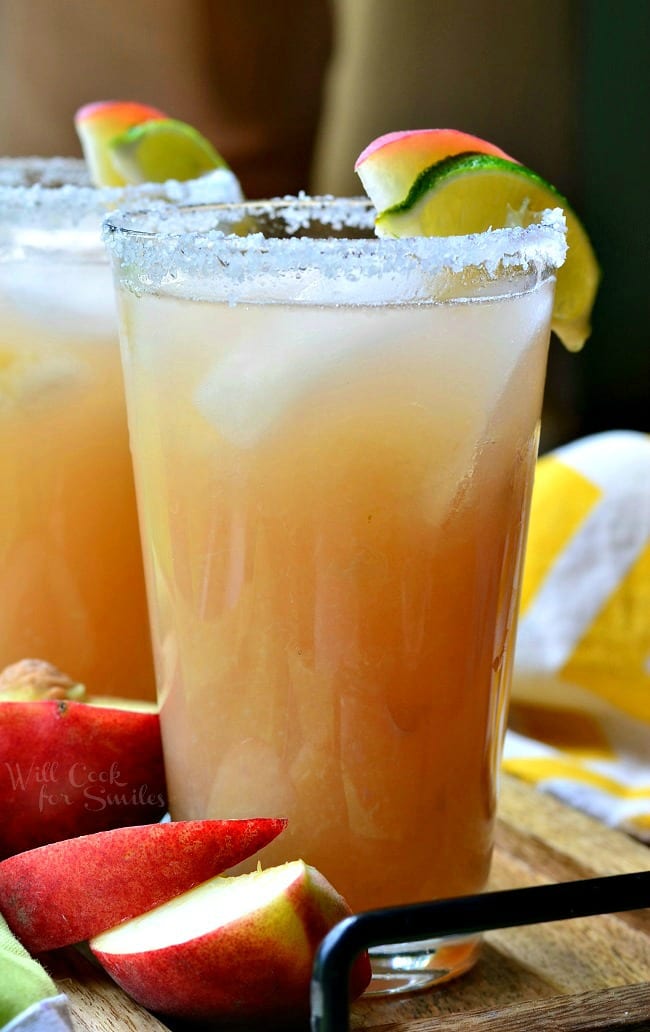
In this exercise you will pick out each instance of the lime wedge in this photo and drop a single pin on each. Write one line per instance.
(163, 149)
(471, 193)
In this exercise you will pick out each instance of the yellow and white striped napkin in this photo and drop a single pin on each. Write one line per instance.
(580, 715)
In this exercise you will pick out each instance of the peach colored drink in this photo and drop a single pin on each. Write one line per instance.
(71, 581)
(334, 476)
(71, 571)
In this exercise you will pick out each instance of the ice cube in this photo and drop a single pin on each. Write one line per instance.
(28, 377)
(74, 301)
(275, 358)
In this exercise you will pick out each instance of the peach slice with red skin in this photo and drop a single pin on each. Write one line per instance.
(389, 165)
(70, 768)
(235, 949)
(69, 891)
(116, 115)
(99, 123)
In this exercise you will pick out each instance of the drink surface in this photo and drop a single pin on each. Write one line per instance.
(71, 579)
(333, 504)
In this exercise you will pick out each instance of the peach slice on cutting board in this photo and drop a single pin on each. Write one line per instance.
(69, 891)
(233, 949)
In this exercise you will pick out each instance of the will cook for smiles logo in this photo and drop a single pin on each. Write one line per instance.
(55, 785)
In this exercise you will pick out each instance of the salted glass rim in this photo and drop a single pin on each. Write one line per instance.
(168, 248)
(57, 191)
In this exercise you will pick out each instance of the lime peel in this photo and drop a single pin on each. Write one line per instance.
(467, 162)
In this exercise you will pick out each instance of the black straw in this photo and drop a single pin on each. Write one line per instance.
(462, 915)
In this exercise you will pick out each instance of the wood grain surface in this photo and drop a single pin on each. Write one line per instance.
(581, 975)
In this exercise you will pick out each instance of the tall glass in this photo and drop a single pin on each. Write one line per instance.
(71, 583)
(334, 439)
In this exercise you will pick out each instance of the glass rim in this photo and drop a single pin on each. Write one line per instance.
(166, 248)
(58, 191)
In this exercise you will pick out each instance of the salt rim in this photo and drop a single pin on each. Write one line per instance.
(58, 190)
(179, 251)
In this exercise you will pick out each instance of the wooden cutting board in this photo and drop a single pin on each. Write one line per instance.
(570, 976)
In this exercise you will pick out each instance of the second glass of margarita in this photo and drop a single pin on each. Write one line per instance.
(71, 583)
(334, 439)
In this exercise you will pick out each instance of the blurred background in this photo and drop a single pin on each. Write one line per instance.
(292, 91)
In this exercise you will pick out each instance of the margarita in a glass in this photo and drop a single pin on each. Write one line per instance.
(71, 583)
(334, 439)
